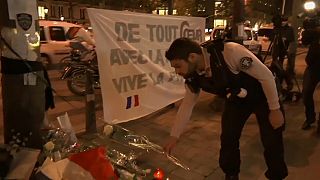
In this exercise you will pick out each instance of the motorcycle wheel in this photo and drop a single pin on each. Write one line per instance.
(77, 84)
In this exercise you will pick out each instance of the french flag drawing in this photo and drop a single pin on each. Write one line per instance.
(132, 101)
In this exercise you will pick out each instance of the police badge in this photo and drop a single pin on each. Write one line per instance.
(245, 62)
(24, 21)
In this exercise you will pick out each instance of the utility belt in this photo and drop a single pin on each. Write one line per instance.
(253, 87)
(236, 81)
(15, 66)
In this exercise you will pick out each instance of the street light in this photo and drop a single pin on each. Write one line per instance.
(61, 18)
(309, 5)
(45, 10)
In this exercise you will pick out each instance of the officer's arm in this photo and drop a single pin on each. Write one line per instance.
(184, 112)
(260, 72)
(255, 68)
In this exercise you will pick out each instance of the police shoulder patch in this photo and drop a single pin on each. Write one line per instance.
(245, 62)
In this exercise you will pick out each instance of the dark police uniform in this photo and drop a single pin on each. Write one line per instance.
(251, 74)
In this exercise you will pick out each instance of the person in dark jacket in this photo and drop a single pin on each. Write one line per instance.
(289, 51)
(311, 77)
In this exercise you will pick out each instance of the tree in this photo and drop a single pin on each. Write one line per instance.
(263, 10)
(185, 7)
(224, 9)
(146, 6)
(191, 8)
(258, 12)
(264, 6)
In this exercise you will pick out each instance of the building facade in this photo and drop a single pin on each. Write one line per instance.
(69, 11)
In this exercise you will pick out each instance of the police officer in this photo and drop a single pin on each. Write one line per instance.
(194, 63)
(311, 77)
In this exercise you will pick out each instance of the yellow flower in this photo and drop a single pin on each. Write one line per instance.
(107, 130)
(49, 146)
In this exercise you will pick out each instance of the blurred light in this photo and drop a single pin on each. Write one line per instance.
(61, 18)
(208, 30)
(46, 10)
(158, 174)
(309, 5)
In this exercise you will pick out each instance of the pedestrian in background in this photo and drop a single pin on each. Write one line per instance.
(250, 89)
(311, 76)
(289, 44)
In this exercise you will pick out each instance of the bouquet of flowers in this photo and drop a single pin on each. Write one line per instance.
(62, 148)
(8, 151)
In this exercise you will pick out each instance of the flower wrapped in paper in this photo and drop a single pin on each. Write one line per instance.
(59, 151)
(125, 136)
(122, 150)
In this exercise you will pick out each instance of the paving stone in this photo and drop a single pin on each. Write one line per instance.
(186, 175)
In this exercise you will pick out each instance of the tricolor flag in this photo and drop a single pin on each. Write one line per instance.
(89, 165)
(132, 101)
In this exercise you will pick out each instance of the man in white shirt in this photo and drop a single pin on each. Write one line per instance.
(249, 88)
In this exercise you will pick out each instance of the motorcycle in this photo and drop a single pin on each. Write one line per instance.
(76, 68)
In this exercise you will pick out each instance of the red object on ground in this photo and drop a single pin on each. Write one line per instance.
(158, 174)
(96, 163)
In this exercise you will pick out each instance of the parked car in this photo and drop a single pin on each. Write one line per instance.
(265, 35)
(55, 40)
(217, 32)
(250, 40)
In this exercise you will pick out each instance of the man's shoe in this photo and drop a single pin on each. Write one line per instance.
(234, 177)
(307, 124)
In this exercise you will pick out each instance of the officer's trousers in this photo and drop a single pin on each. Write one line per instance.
(233, 119)
(311, 78)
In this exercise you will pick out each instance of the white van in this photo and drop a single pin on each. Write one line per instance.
(250, 42)
(54, 40)
(265, 35)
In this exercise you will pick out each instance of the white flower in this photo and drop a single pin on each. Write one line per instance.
(107, 130)
(49, 146)
(147, 171)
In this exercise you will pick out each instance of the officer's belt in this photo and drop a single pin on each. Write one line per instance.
(14, 66)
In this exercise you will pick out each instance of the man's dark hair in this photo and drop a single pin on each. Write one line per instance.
(181, 48)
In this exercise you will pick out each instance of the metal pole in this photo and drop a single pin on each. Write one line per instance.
(170, 7)
(90, 104)
(237, 25)
(71, 10)
(283, 5)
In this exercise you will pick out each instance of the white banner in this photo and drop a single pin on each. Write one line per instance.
(136, 78)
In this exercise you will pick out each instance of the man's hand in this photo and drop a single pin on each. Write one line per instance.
(170, 144)
(276, 118)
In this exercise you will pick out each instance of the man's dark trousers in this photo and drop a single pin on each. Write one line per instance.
(237, 111)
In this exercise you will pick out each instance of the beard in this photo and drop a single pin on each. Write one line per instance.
(192, 69)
